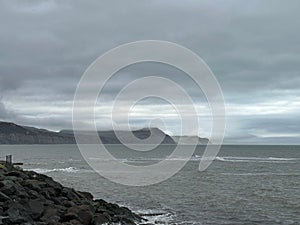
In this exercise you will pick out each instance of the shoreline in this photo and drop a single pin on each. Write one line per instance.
(27, 197)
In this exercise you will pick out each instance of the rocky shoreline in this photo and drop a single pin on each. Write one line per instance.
(29, 198)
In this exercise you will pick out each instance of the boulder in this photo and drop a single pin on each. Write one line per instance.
(36, 208)
(29, 198)
(84, 213)
(35, 185)
(17, 173)
(86, 195)
(50, 215)
(4, 197)
(15, 213)
(8, 187)
(102, 219)
(69, 216)
(70, 194)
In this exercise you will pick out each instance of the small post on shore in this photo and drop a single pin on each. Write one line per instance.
(9, 163)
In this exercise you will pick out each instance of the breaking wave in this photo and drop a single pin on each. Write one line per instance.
(256, 159)
(66, 170)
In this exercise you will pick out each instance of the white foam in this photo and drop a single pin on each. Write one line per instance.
(262, 174)
(67, 170)
(198, 158)
(255, 159)
(283, 159)
(156, 217)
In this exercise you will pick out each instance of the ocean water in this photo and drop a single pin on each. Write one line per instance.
(244, 184)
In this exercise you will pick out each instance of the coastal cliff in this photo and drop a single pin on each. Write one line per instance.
(11, 133)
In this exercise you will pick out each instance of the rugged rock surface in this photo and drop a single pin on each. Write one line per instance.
(11, 133)
(30, 198)
(127, 137)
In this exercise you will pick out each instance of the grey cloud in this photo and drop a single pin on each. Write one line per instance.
(6, 114)
(9, 83)
(259, 129)
(251, 46)
(3, 112)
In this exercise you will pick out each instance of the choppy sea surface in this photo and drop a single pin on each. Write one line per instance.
(244, 184)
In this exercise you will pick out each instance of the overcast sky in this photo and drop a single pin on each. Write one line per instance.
(252, 47)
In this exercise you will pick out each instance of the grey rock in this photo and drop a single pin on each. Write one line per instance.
(16, 214)
(27, 197)
(36, 208)
(50, 215)
(8, 187)
(83, 212)
(4, 197)
(100, 219)
(17, 173)
(69, 216)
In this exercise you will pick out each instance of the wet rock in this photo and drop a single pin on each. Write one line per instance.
(29, 198)
(50, 215)
(14, 220)
(4, 197)
(8, 187)
(32, 194)
(46, 194)
(74, 222)
(84, 213)
(15, 214)
(17, 173)
(34, 185)
(36, 208)
(70, 194)
(68, 204)
(69, 216)
(87, 195)
(59, 200)
(102, 219)
(116, 212)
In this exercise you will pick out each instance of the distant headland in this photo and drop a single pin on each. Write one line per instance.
(11, 133)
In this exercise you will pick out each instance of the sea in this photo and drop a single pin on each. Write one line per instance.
(243, 185)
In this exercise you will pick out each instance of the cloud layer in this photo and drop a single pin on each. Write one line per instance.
(251, 46)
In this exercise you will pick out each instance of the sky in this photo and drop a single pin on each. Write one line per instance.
(252, 47)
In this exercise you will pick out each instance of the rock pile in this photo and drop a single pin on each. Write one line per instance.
(30, 198)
